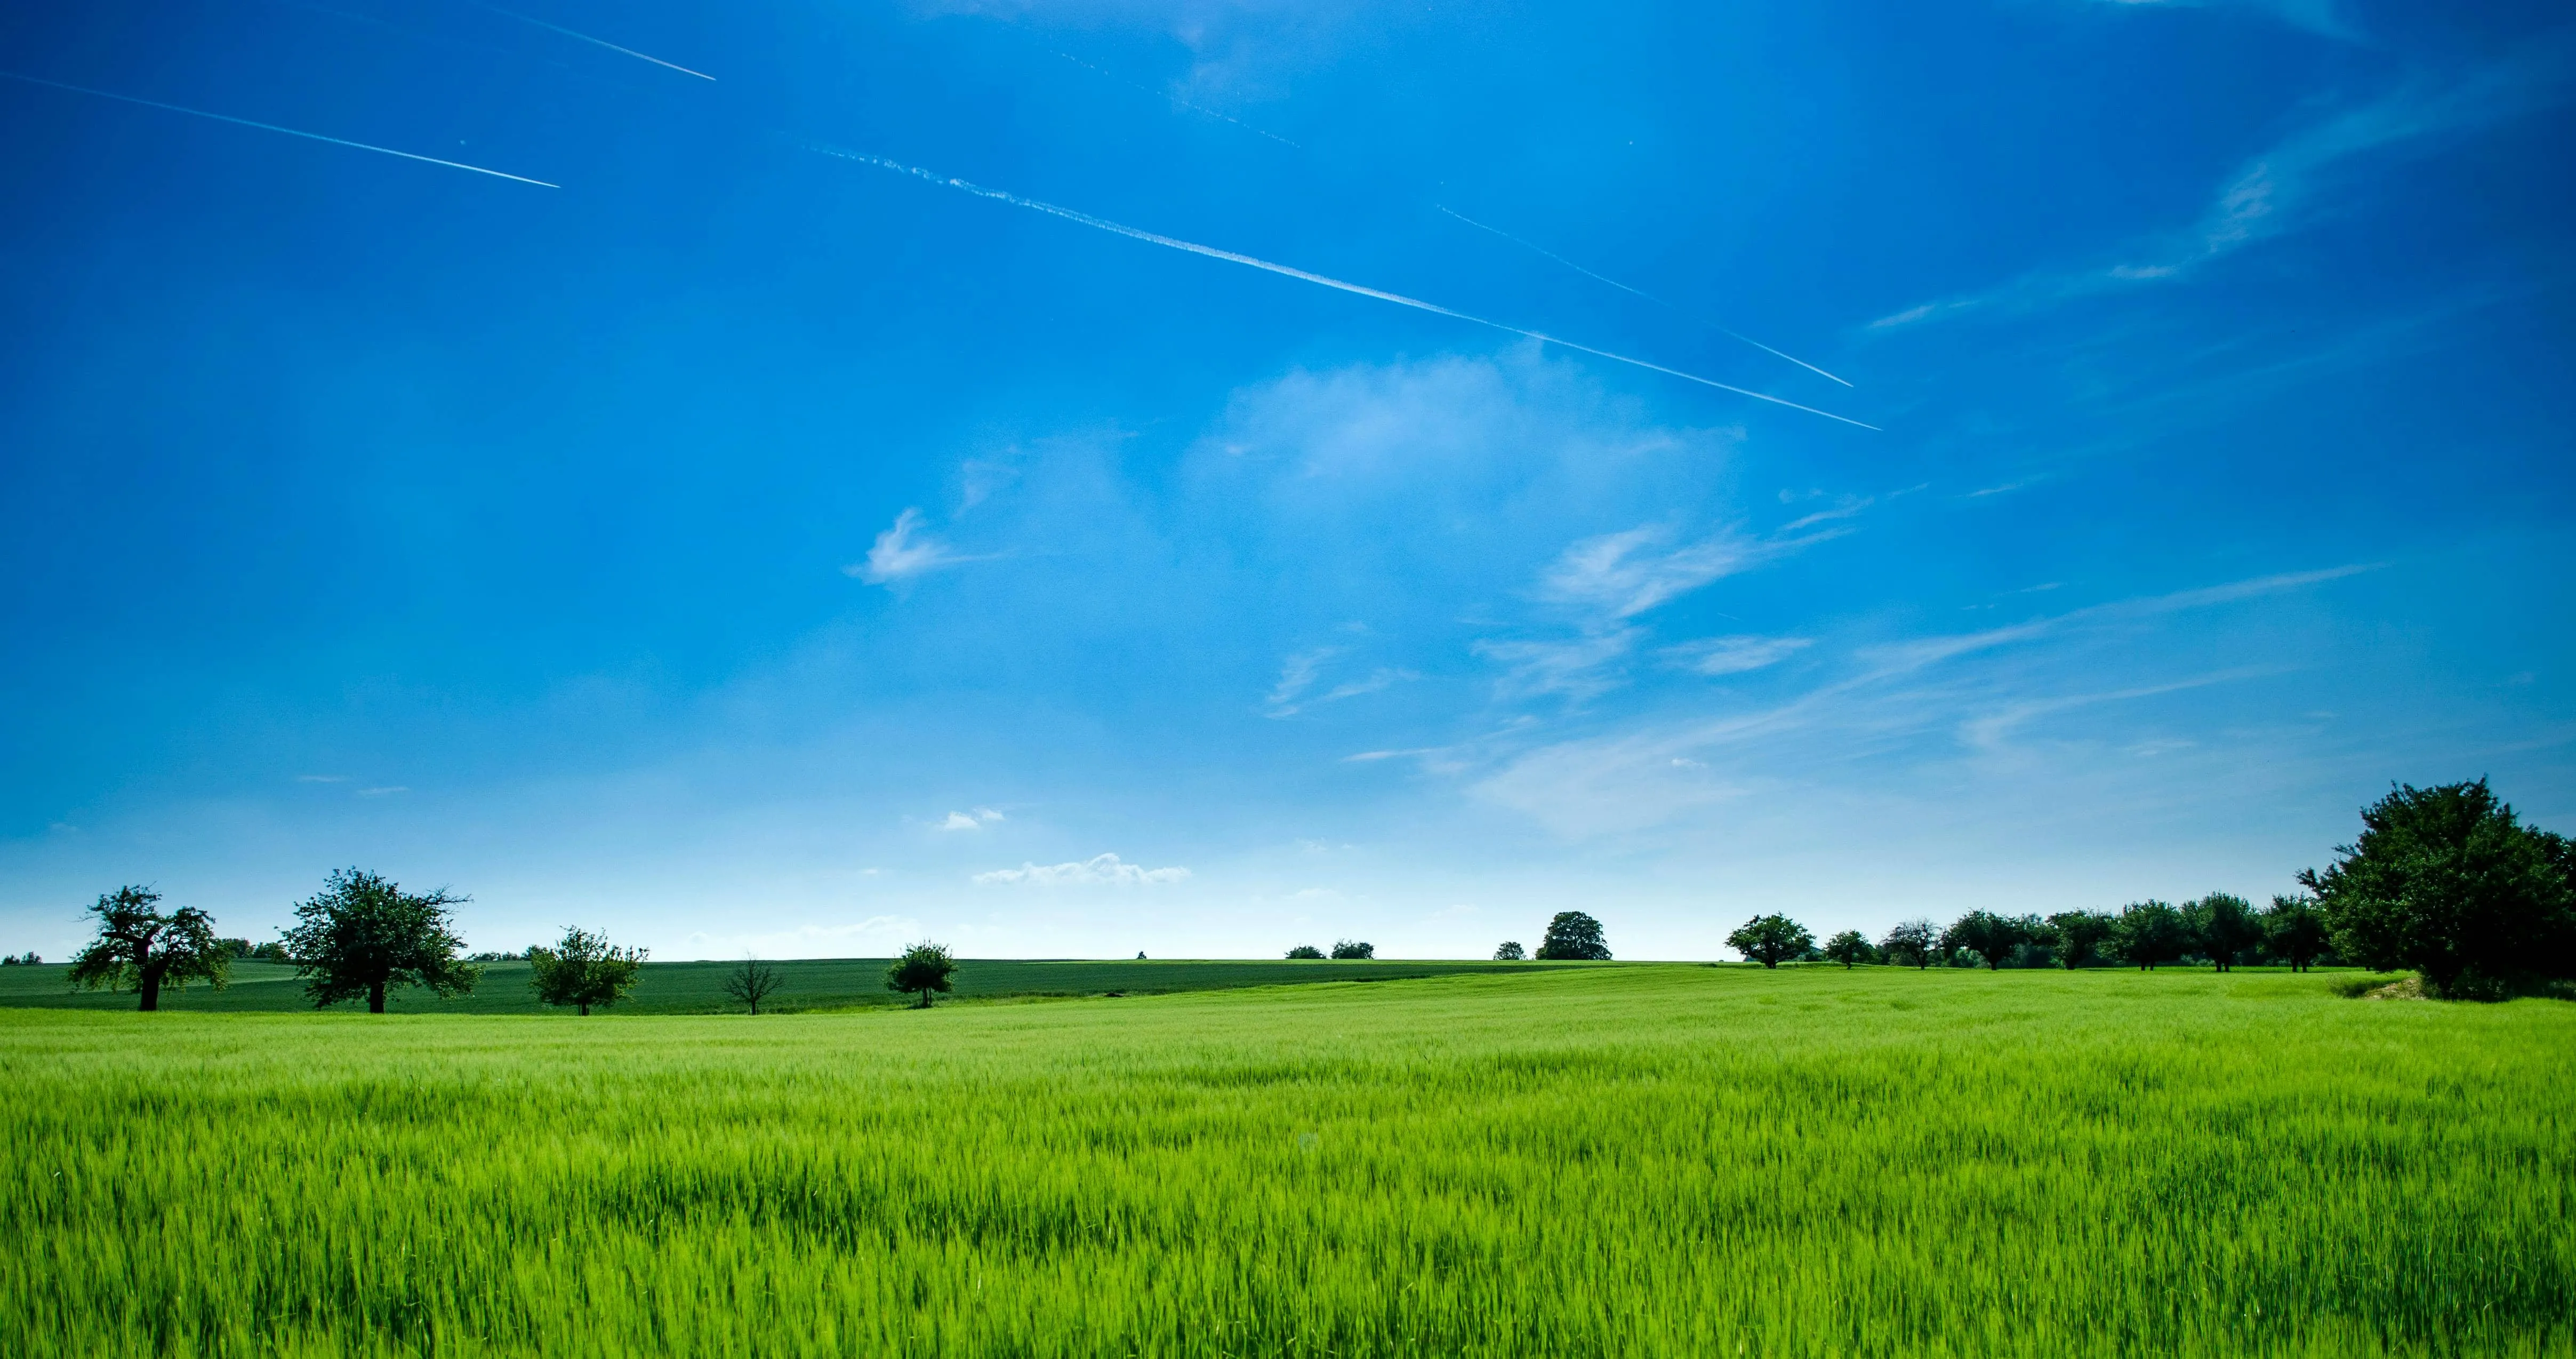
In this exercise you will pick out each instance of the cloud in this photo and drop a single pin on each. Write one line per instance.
(1299, 673)
(1902, 657)
(1576, 668)
(902, 552)
(966, 821)
(387, 791)
(321, 778)
(1104, 870)
(1734, 655)
(1625, 574)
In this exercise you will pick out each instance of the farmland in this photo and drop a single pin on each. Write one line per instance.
(1594, 1160)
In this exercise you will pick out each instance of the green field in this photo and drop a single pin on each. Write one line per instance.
(1628, 1160)
(807, 984)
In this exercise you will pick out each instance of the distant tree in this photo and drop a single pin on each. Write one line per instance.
(1770, 939)
(2150, 932)
(2294, 932)
(234, 948)
(2078, 936)
(1305, 951)
(362, 935)
(26, 959)
(2446, 881)
(1573, 937)
(140, 949)
(922, 969)
(751, 983)
(1849, 947)
(1990, 936)
(270, 952)
(583, 969)
(1916, 943)
(2224, 926)
(1510, 951)
(1140, 955)
(1354, 948)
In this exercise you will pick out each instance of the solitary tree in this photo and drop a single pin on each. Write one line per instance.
(2446, 881)
(583, 969)
(1510, 951)
(922, 969)
(1849, 947)
(1573, 937)
(1988, 935)
(140, 949)
(1770, 939)
(2150, 932)
(1354, 948)
(1305, 951)
(1913, 943)
(751, 983)
(364, 936)
(2224, 925)
(2078, 936)
(2294, 932)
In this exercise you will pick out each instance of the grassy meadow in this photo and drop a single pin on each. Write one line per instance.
(1622, 1160)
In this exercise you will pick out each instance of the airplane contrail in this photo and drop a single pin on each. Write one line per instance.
(1604, 278)
(272, 127)
(1115, 228)
(603, 42)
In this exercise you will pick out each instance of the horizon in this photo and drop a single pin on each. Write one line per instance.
(1206, 476)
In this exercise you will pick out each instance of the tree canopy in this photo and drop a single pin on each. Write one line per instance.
(362, 935)
(2294, 932)
(140, 949)
(1850, 947)
(2225, 926)
(583, 969)
(1305, 951)
(1770, 939)
(1510, 951)
(2078, 936)
(923, 968)
(1988, 935)
(1912, 943)
(1354, 948)
(2151, 932)
(1573, 936)
(2447, 881)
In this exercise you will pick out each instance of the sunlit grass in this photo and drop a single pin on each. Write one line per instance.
(1633, 1161)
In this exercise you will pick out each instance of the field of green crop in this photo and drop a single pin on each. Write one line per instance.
(1630, 1160)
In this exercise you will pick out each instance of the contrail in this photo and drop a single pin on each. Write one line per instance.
(1159, 94)
(272, 127)
(558, 28)
(1602, 278)
(1104, 224)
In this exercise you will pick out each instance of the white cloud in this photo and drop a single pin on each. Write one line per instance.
(387, 791)
(1299, 673)
(903, 551)
(966, 821)
(321, 778)
(1103, 870)
(1577, 668)
(1627, 573)
(1735, 655)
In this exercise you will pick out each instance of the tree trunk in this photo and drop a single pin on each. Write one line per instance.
(583, 1007)
(151, 990)
(375, 998)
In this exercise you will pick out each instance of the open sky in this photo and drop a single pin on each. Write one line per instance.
(736, 542)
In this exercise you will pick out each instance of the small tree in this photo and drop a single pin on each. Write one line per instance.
(1574, 937)
(1354, 948)
(1915, 943)
(2294, 932)
(1305, 951)
(1849, 947)
(1990, 936)
(1770, 940)
(2223, 925)
(1510, 951)
(362, 935)
(583, 969)
(2446, 881)
(922, 969)
(141, 950)
(2078, 936)
(751, 983)
(2150, 932)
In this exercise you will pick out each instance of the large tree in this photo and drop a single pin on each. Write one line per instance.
(2224, 925)
(1849, 947)
(2448, 882)
(2078, 936)
(922, 969)
(1989, 936)
(140, 949)
(583, 969)
(1770, 940)
(2294, 932)
(362, 935)
(2151, 932)
(1573, 936)
(1912, 943)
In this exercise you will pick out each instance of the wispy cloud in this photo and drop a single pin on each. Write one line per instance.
(1299, 674)
(1577, 668)
(902, 552)
(386, 791)
(1624, 574)
(1102, 870)
(1734, 655)
(977, 819)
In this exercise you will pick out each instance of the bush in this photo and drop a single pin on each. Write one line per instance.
(1305, 951)
(1354, 948)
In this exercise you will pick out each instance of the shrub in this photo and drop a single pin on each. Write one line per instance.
(1354, 948)
(1305, 951)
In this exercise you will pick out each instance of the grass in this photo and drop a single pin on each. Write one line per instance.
(1630, 1160)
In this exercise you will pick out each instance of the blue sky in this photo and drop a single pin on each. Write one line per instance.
(740, 547)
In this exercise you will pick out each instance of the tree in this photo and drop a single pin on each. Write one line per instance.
(923, 968)
(362, 935)
(583, 969)
(2294, 932)
(1849, 947)
(1305, 951)
(1913, 943)
(2078, 936)
(1769, 939)
(2446, 881)
(2224, 925)
(1573, 937)
(141, 950)
(1510, 951)
(751, 983)
(1354, 948)
(1989, 936)
(2150, 932)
